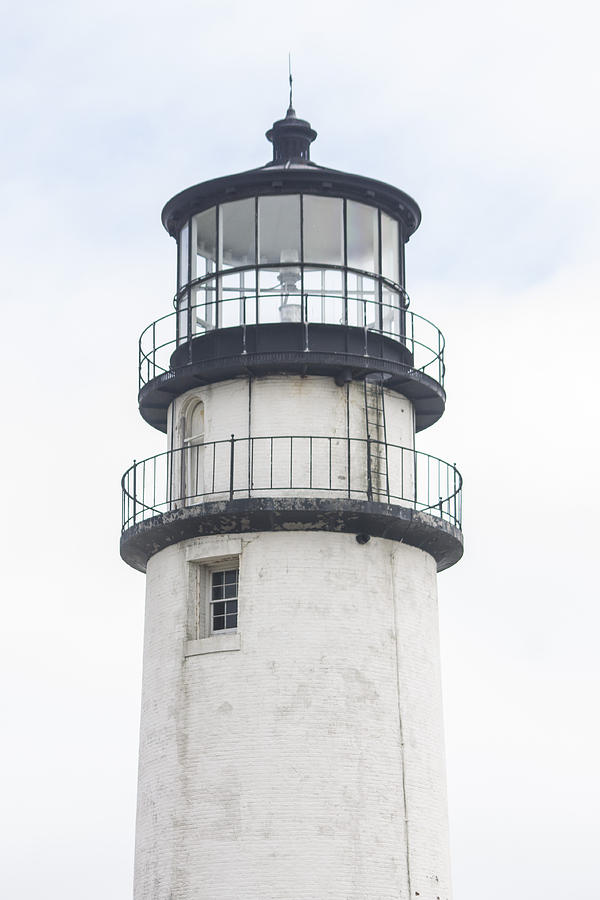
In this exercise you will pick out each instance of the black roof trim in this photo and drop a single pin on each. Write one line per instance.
(296, 178)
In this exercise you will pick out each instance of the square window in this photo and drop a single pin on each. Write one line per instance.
(224, 600)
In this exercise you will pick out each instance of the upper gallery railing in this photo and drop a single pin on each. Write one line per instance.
(211, 304)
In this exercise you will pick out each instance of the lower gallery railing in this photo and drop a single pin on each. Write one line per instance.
(291, 466)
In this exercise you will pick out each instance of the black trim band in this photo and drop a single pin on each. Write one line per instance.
(397, 523)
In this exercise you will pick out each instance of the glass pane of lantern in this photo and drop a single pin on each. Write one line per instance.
(248, 297)
(389, 248)
(279, 295)
(323, 290)
(184, 256)
(361, 228)
(238, 230)
(269, 296)
(204, 242)
(323, 230)
(390, 311)
(279, 229)
(204, 306)
(363, 301)
(238, 299)
(182, 306)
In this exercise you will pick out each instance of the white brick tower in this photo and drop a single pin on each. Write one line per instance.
(291, 735)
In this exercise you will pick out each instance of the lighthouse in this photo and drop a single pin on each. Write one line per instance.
(291, 533)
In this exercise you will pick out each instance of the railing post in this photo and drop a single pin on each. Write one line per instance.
(134, 493)
(369, 480)
(454, 494)
(250, 466)
(304, 315)
(349, 463)
(189, 324)
(415, 476)
(231, 458)
(387, 473)
(243, 310)
(153, 352)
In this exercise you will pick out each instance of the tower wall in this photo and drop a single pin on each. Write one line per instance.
(280, 406)
(282, 761)
(287, 404)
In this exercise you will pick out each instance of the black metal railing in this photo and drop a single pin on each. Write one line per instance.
(161, 338)
(291, 465)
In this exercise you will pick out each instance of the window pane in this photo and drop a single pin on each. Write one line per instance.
(280, 298)
(219, 609)
(231, 576)
(204, 242)
(238, 299)
(279, 229)
(363, 301)
(182, 306)
(184, 235)
(390, 310)
(218, 623)
(230, 590)
(323, 230)
(194, 426)
(204, 302)
(237, 224)
(323, 289)
(363, 252)
(231, 621)
(389, 248)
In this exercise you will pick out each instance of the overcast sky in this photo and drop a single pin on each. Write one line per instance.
(487, 115)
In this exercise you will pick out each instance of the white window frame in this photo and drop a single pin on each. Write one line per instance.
(192, 461)
(211, 571)
(203, 557)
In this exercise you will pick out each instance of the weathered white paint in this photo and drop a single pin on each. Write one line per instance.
(283, 406)
(215, 643)
(286, 770)
(287, 404)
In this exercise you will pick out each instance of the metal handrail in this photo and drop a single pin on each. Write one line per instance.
(202, 280)
(275, 465)
(421, 337)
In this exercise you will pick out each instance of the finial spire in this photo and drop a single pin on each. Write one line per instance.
(291, 137)
(291, 111)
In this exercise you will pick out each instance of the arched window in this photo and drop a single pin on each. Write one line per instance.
(192, 462)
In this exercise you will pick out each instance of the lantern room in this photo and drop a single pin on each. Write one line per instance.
(291, 268)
